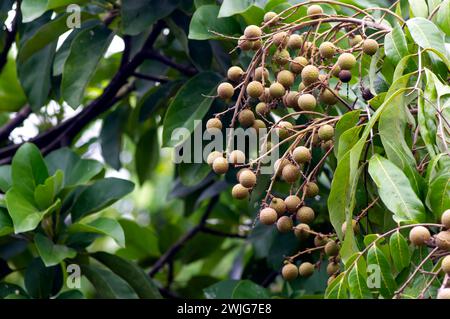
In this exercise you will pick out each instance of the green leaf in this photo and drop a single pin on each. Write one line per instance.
(346, 122)
(78, 70)
(347, 140)
(71, 294)
(51, 253)
(103, 226)
(192, 174)
(357, 281)
(147, 154)
(205, 20)
(338, 289)
(401, 256)
(7, 289)
(141, 241)
(12, 97)
(42, 282)
(5, 178)
(395, 191)
(419, 8)
(375, 256)
(189, 107)
(6, 225)
(250, 10)
(438, 195)
(44, 194)
(33, 9)
(132, 274)
(395, 46)
(236, 289)
(443, 17)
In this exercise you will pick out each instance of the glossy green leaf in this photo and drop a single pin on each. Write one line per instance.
(12, 96)
(6, 225)
(250, 10)
(147, 154)
(438, 195)
(338, 288)
(236, 289)
(205, 20)
(32, 9)
(102, 226)
(51, 253)
(5, 178)
(347, 140)
(42, 282)
(375, 256)
(141, 241)
(399, 248)
(395, 46)
(44, 194)
(71, 294)
(443, 17)
(192, 174)
(347, 121)
(357, 281)
(418, 8)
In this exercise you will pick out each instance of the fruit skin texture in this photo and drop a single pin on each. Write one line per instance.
(236, 157)
(225, 91)
(295, 42)
(252, 31)
(280, 39)
(244, 44)
(255, 89)
(346, 61)
(298, 64)
(290, 173)
(279, 165)
(234, 73)
(260, 72)
(327, 50)
(319, 241)
(370, 46)
(331, 249)
(356, 40)
(247, 178)
(220, 165)
(443, 293)
(307, 102)
(443, 240)
(289, 272)
(306, 269)
(446, 265)
(213, 124)
(311, 189)
(239, 192)
(305, 215)
(246, 118)
(326, 132)
(292, 202)
(268, 216)
(345, 76)
(445, 219)
(328, 97)
(290, 99)
(285, 78)
(283, 129)
(269, 16)
(278, 205)
(281, 57)
(332, 268)
(276, 90)
(284, 224)
(301, 155)
(258, 124)
(310, 74)
(419, 235)
(314, 10)
(212, 156)
(301, 231)
(262, 108)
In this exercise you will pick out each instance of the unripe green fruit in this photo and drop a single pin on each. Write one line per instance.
(268, 216)
(284, 224)
(255, 89)
(355, 227)
(258, 124)
(252, 31)
(357, 39)
(276, 90)
(260, 72)
(272, 17)
(244, 44)
(443, 293)
(281, 57)
(284, 129)
(345, 76)
(445, 219)
(247, 178)
(298, 64)
(335, 70)
(332, 268)
(306, 269)
(307, 102)
(305, 215)
(220, 165)
(213, 125)
(246, 118)
(327, 50)
(370, 46)
(292, 202)
(346, 61)
(285, 78)
(235, 73)
(326, 132)
(314, 10)
(311, 189)
(301, 231)
(419, 235)
(301, 86)
(301, 155)
(278, 205)
(295, 42)
(446, 265)
(225, 91)
(289, 272)
(237, 157)
(279, 165)
(212, 156)
(290, 99)
(280, 39)
(239, 192)
(331, 248)
(328, 97)
(443, 240)
(320, 241)
(291, 173)
(262, 108)
(310, 74)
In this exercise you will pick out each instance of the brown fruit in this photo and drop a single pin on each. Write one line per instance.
(252, 32)
(235, 73)
(330, 280)
(328, 97)
(255, 89)
(292, 202)
(213, 125)
(443, 293)
(331, 248)
(301, 231)
(260, 72)
(276, 90)
(370, 46)
(284, 129)
(262, 108)
(366, 94)
(284, 224)
(256, 45)
(291, 173)
(310, 74)
(279, 165)
(239, 192)
(246, 118)
(307, 102)
(335, 70)
(443, 240)
(357, 39)
(419, 235)
(265, 97)
(268, 216)
(290, 99)
(278, 205)
(285, 78)
(225, 91)
(301, 155)
(306, 269)
(320, 241)
(220, 165)
(345, 76)
(247, 178)
(258, 124)
(445, 219)
(314, 10)
(289, 272)
(271, 17)
(355, 227)
(311, 189)
(236, 157)
(326, 145)
(332, 268)
(298, 64)
(280, 39)
(346, 61)
(295, 42)
(326, 132)
(244, 44)
(327, 50)
(212, 156)
(446, 265)
(305, 215)
(301, 87)
(281, 57)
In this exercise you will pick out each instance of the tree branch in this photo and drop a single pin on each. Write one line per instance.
(186, 70)
(155, 78)
(10, 37)
(20, 117)
(215, 232)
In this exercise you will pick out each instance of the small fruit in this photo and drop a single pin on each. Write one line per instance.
(220, 165)
(310, 74)
(335, 69)
(357, 39)
(256, 45)
(307, 102)
(262, 108)
(246, 118)
(265, 97)
(323, 78)
(443, 240)
(305, 215)
(213, 124)
(445, 219)
(346, 61)
(332, 268)
(225, 91)
(244, 44)
(284, 129)
(285, 78)
(295, 42)
(236, 157)
(298, 64)
(260, 72)
(301, 155)
(326, 132)
(239, 192)
(235, 73)
(443, 293)
(268, 216)
(281, 57)
(355, 227)
(212, 156)
(345, 76)
(284, 224)
(292, 202)
(289, 272)
(279, 165)
(330, 280)
(446, 265)
(252, 32)
(258, 124)
(320, 241)
(271, 17)
(370, 46)
(311, 189)
(290, 99)
(278, 205)
(280, 39)
(301, 231)
(247, 178)
(255, 89)
(331, 248)
(301, 87)
(306, 269)
(314, 10)
(276, 90)
(328, 97)
(419, 235)
(327, 145)
(327, 50)
(290, 173)
(366, 94)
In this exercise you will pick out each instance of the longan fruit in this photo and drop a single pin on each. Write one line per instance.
(305, 215)
(295, 42)
(276, 90)
(314, 10)
(252, 31)
(290, 99)
(310, 74)
(366, 94)
(292, 202)
(327, 145)
(301, 231)
(246, 118)
(306, 269)
(234, 73)
(446, 265)
(328, 97)
(271, 16)
(285, 78)
(220, 165)
(289, 272)
(443, 240)
(370, 46)
(265, 97)
(346, 61)
(278, 205)
(279, 165)
(332, 268)
(301, 155)
(284, 129)
(260, 72)
(244, 44)
(330, 280)
(357, 39)
(268, 216)
(323, 78)
(258, 124)
(255, 89)
(239, 192)
(443, 293)
(345, 76)
(247, 178)
(225, 91)
(213, 124)
(307, 102)
(335, 70)
(419, 235)
(320, 241)
(290, 173)
(284, 224)
(281, 57)
(212, 156)
(236, 157)
(327, 50)
(256, 45)
(298, 64)
(280, 39)
(301, 86)
(311, 189)
(309, 47)
(355, 227)
(331, 248)
(326, 132)
(445, 219)
(262, 108)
